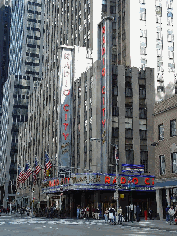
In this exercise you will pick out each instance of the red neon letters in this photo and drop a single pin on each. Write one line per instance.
(103, 74)
(65, 135)
(64, 107)
(146, 181)
(123, 180)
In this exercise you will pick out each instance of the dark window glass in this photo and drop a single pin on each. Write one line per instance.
(174, 162)
(160, 132)
(144, 160)
(173, 130)
(129, 156)
(162, 165)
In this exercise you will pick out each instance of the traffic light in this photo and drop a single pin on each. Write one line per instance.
(49, 173)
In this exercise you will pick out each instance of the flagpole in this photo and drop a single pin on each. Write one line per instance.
(32, 193)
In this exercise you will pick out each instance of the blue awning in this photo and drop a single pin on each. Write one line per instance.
(166, 183)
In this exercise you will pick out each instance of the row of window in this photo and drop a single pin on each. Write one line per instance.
(173, 130)
(173, 163)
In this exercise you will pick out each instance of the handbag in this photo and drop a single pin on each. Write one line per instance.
(111, 216)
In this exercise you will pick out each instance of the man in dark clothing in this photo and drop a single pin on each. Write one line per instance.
(138, 213)
(150, 214)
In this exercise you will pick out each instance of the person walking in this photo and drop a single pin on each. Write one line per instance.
(150, 212)
(114, 215)
(87, 212)
(138, 213)
(167, 214)
(145, 214)
(131, 212)
(93, 213)
(111, 216)
(78, 212)
(171, 214)
(97, 213)
(120, 215)
(106, 213)
(135, 210)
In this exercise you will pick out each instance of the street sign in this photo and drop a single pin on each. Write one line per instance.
(116, 195)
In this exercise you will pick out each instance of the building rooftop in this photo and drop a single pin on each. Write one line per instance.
(165, 105)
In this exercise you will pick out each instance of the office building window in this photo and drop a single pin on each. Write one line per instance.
(174, 162)
(160, 132)
(162, 164)
(144, 160)
(173, 131)
(129, 156)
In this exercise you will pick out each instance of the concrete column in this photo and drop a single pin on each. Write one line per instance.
(168, 197)
(96, 198)
(121, 105)
(47, 201)
(135, 127)
(71, 206)
(159, 203)
(83, 199)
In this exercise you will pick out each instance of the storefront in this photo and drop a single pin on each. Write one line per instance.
(166, 195)
(97, 190)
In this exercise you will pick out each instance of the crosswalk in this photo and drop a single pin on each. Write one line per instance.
(42, 223)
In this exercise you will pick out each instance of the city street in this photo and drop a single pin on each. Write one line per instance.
(12, 225)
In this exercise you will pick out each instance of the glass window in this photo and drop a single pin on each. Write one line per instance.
(161, 132)
(144, 160)
(162, 165)
(173, 130)
(174, 162)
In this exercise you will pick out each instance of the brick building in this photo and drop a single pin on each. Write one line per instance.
(165, 142)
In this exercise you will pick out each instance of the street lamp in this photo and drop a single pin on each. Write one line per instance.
(117, 185)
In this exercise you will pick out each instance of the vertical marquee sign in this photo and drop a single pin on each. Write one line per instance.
(104, 45)
(65, 103)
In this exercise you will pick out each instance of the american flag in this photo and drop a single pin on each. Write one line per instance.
(48, 163)
(36, 171)
(27, 172)
(20, 175)
(37, 166)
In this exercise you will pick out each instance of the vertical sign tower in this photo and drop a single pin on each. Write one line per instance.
(65, 106)
(104, 54)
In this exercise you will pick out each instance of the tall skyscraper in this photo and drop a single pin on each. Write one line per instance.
(25, 71)
(5, 14)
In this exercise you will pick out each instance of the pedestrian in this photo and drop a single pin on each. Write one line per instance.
(138, 213)
(171, 214)
(93, 213)
(21, 211)
(145, 214)
(135, 209)
(150, 213)
(97, 213)
(106, 213)
(114, 215)
(131, 212)
(167, 214)
(87, 212)
(82, 212)
(78, 212)
(120, 215)
(111, 216)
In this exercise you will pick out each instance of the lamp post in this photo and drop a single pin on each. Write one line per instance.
(117, 184)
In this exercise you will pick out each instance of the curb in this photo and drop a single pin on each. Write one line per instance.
(150, 227)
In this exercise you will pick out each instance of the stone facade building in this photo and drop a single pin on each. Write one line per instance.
(130, 129)
(165, 142)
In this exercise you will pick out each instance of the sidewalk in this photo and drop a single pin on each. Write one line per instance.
(152, 224)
